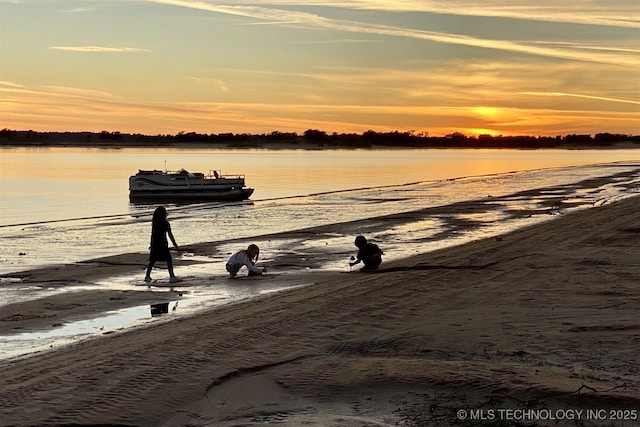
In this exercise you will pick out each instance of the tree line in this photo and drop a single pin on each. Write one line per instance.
(313, 137)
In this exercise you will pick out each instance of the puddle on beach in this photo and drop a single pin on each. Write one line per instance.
(33, 342)
(173, 300)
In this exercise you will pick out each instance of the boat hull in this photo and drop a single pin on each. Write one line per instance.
(190, 195)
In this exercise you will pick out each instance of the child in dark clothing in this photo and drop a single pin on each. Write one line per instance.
(369, 253)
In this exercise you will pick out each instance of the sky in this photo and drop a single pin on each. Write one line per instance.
(514, 67)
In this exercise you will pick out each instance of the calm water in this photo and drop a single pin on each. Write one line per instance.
(45, 184)
(62, 205)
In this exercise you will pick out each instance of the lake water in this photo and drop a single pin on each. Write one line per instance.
(63, 205)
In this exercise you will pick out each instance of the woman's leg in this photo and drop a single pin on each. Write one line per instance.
(147, 277)
(170, 267)
(172, 277)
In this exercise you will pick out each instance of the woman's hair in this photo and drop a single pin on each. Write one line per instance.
(159, 214)
(253, 251)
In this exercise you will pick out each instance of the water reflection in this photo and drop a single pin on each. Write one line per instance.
(161, 308)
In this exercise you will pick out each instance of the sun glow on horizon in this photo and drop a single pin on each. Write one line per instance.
(477, 132)
(342, 67)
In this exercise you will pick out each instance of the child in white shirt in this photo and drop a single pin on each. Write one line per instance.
(246, 257)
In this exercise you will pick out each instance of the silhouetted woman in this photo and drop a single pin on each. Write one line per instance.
(159, 248)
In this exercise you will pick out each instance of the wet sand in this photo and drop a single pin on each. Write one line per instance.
(544, 318)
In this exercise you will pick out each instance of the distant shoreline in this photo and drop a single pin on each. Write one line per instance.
(306, 146)
(313, 140)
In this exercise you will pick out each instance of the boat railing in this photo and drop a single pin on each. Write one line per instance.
(214, 174)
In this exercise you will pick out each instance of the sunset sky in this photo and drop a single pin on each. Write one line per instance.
(513, 67)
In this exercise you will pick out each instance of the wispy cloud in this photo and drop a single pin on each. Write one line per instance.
(263, 13)
(310, 20)
(77, 10)
(74, 91)
(574, 12)
(620, 14)
(99, 49)
(591, 46)
(504, 45)
(6, 84)
(335, 41)
(219, 84)
(577, 95)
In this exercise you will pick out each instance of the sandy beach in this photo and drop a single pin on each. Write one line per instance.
(536, 327)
